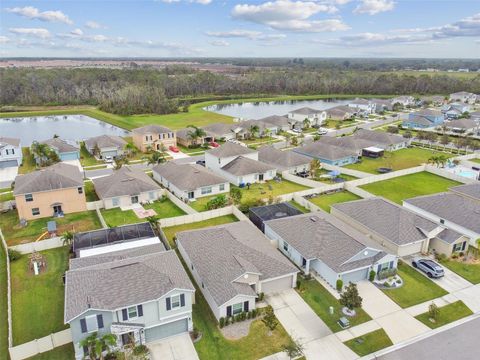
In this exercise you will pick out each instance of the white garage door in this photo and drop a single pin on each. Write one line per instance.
(8, 163)
(277, 285)
(355, 276)
(163, 331)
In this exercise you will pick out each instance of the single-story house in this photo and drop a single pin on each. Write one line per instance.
(106, 145)
(138, 296)
(382, 139)
(323, 244)
(10, 152)
(340, 112)
(403, 100)
(424, 119)
(463, 125)
(152, 137)
(329, 154)
(464, 96)
(232, 264)
(281, 123)
(219, 131)
(396, 228)
(184, 138)
(284, 160)
(260, 214)
(382, 105)
(53, 191)
(66, 150)
(126, 187)
(189, 181)
(314, 116)
(364, 106)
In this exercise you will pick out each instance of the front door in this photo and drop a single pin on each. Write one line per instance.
(260, 177)
(57, 209)
(128, 338)
(134, 199)
(191, 195)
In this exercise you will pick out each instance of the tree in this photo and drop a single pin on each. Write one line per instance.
(350, 297)
(195, 134)
(156, 158)
(293, 349)
(407, 134)
(267, 132)
(96, 346)
(433, 160)
(42, 152)
(67, 238)
(130, 149)
(433, 311)
(153, 221)
(269, 318)
(254, 130)
(294, 141)
(306, 123)
(119, 162)
(315, 167)
(236, 195)
(444, 140)
(288, 136)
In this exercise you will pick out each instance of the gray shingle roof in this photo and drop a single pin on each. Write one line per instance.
(391, 221)
(471, 190)
(230, 149)
(9, 141)
(60, 145)
(378, 137)
(104, 141)
(188, 177)
(58, 176)
(223, 253)
(428, 112)
(306, 111)
(462, 124)
(322, 150)
(125, 181)
(241, 166)
(282, 160)
(275, 120)
(218, 129)
(155, 129)
(449, 236)
(121, 283)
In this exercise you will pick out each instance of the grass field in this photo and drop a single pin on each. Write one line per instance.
(416, 288)
(369, 343)
(325, 201)
(447, 314)
(470, 272)
(408, 186)
(299, 207)
(28, 162)
(65, 352)
(397, 160)
(3, 303)
(269, 189)
(37, 301)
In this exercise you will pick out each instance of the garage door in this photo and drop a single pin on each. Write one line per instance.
(355, 276)
(111, 153)
(163, 331)
(8, 163)
(277, 284)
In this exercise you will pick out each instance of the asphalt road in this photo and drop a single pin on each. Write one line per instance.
(458, 343)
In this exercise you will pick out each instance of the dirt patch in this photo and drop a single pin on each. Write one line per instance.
(238, 330)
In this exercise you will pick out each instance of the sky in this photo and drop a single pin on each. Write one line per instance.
(240, 28)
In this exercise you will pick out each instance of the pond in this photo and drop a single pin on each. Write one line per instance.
(258, 110)
(70, 127)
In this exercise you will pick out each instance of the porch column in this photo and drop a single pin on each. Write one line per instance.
(307, 267)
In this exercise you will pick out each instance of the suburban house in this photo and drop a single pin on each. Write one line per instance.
(126, 187)
(340, 112)
(280, 123)
(381, 139)
(475, 115)
(232, 264)
(398, 229)
(314, 116)
(238, 164)
(436, 100)
(10, 152)
(284, 160)
(152, 137)
(323, 244)
(382, 105)
(244, 129)
(106, 145)
(260, 214)
(463, 126)
(219, 131)
(455, 110)
(66, 150)
(329, 154)
(458, 209)
(139, 295)
(184, 138)
(403, 100)
(189, 181)
(463, 96)
(53, 191)
(424, 118)
(366, 107)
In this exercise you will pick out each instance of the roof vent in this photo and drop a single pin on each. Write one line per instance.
(314, 218)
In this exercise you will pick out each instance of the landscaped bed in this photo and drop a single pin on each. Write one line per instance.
(369, 343)
(38, 300)
(320, 301)
(408, 186)
(200, 204)
(59, 353)
(446, 314)
(325, 201)
(416, 288)
(15, 234)
(469, 271)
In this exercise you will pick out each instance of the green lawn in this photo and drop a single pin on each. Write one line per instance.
(3, 303)
(416, 289)
(325, 201)
(268, 189)
(164, 208)
(397, 160)
(447, 314)
(87, 159)
(320, 301)
(369, 343)
(6, 195)
(470, 272)
(37, 301)
(475, 160)
(408, 186)
(90, 193)
(200, 204)
(76, 222)
(65, 352)
(28, 162)
(195, 151)
(172, 230)
(298, 206)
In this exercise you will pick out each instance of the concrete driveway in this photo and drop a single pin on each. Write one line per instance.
(178, 347)
(7, 176)
(375, 302)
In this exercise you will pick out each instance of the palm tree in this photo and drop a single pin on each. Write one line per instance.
(315, 167)
(433, 160)
(156, 158)
(267, 132)
(130, 149)
(294, 141)
(442, 160)
(96, 346)
(153, 221)
(195, 133)
(306, 123)
(67, 238)
(254, 129)
(41, 152)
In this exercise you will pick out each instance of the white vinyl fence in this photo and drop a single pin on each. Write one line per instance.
(37, 346)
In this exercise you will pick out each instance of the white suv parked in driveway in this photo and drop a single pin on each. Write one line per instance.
(429, 267)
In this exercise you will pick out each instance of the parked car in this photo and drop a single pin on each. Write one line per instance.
(298, 131)
(322, 131)
(429, 267)
(214, 144)
(173, 149)
(200, 162)
(108, 159)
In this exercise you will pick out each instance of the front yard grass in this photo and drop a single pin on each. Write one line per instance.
(37, 301)
(6, 195)
(416, 288)
(470, 272)
(15, 234)
(475, 160)
(172, 230)
(369, 343)
(90, 193)
(409, 186)
(3, 303)
(447, 314)
(320, 301)
(269, 189)
(59, 353)
(325, 201)
(28, 162)
(397, 160)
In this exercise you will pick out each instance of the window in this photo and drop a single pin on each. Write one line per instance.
(92, 324)
(175, 301)
(80, 190)
(132, 312)
(134, 199)
(222, 187)
(115, 202)
(28, 197)
(13, 151)
(237, 308)
(35, 211)
(285, 246)
(384, 266)
(206, 190)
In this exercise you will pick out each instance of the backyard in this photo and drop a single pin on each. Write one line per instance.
(87, 159)
(28, 162)
(299, 207)
(3, 303)
(325, 201)
(38, 301)
(416, 288)
(397, 160)
(6, 194)
(271, 188)
(409, 186)
(447, 314)
(469, 271)
(15, 234)
(90, 193)
(200, 204)
(320, 301)
(369, 343)
(59, 353)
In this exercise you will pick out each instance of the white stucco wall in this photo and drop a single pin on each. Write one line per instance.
(127, 200)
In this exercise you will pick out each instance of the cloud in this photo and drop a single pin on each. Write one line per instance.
(94, 25)
(373, 7)
(290, 15)
(35, 32)
(249, 34)
(469, 26)
(31, 12)
(77, 32)
(4, 39)
(374, 39)
(219, 43)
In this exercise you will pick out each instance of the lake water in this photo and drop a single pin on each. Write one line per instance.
(258, 110)
(69, 127)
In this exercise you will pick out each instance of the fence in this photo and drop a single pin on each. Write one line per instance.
(196, 217)
(39, 346)
(180, 203)
(46, 244)
(391, 175)
(94, 205)
(302, 181)
(9, 291)
(359, 192)
(342, 170)
(449, 175)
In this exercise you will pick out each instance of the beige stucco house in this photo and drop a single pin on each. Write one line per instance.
(152, 137)
(53, 191)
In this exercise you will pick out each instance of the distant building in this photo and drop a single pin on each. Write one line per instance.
(10, 152)
(366, 107)
(329, 154)
(424, 119)
(316, 117)
(403, 100)
(153, 137)
(463, 96)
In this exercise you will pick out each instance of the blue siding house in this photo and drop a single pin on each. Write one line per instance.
(424, 119)
(64, 149)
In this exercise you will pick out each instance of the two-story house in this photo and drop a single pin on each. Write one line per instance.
(152, 137)
(363, 106)
(314, 116)
(10, 152)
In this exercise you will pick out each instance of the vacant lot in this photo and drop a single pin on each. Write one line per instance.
(325, 201)
(408, 186)
(447, 314)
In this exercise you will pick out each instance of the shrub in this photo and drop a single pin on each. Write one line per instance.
(245, 206)
(433, 311)
(269, 318)
(308, 277)
(461, 254)
(372, 274)
(249, 315)
(339, 285)
(254, 313)
(217, 202)
(221, 322)
(440, 256)
(299, 283)
(261, 296)
(14, 255)
(232, 319)
(386, 273)
(195, 332)
(140, 350)
(454, 256)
